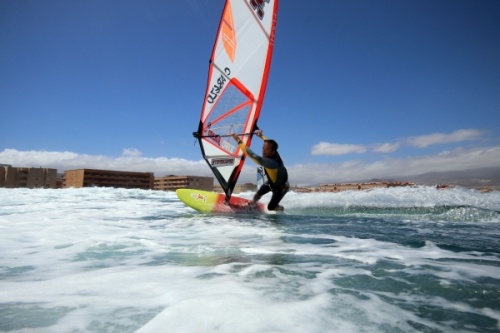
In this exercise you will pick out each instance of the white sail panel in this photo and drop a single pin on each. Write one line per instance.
(239, 67)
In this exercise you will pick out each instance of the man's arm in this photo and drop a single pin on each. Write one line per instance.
(260, 135)
(257, 132)
(265, 162)
(245, 149)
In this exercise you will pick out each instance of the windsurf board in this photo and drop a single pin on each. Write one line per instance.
(213, 202)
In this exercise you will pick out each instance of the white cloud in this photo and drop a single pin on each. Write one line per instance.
(132, 152)
(130, 161)
(386, 147)
(397, 168)
(424, 141)
(325, 148)
(301, 174)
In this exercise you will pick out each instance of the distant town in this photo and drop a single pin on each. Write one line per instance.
(30, 177)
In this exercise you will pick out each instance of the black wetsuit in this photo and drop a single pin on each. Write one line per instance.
(277, 176)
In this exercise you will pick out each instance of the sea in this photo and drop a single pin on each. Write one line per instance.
(403, 259)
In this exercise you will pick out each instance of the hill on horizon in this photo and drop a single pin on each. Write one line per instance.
(484, 177)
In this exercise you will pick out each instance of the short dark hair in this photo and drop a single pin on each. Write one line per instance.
(273, 143)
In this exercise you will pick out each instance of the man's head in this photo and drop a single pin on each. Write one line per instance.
(269, 148)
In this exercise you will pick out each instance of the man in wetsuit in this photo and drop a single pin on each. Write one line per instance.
(277, 175)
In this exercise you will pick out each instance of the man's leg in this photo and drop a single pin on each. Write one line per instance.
(262, 190)
(276, 198)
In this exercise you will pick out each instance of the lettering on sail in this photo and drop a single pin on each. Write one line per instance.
(218, 162)
(217, 87)
(228, 147)
(258, 6)
(214, 137)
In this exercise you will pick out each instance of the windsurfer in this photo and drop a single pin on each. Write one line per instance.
(277, 175)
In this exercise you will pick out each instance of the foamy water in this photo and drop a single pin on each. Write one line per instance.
(116, 260)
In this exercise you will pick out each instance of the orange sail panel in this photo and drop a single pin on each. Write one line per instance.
(237, 79)
(227, 31)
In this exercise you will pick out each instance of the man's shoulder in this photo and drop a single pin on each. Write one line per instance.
(272, 162)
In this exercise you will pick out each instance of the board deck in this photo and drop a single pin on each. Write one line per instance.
(213, 202)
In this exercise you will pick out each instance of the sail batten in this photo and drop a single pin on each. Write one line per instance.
(237, 79)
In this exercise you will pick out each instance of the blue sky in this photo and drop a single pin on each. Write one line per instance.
(357, 89)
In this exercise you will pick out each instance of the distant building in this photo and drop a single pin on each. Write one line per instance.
(303, 189)
(360, 186)
(12, 177)
(245, 187)
(60, 180)
(350, 187)
(172, 183)
(108, 178)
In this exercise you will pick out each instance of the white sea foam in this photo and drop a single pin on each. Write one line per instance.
(107, 260)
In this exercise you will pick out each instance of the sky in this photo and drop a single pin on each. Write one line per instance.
(358, 89)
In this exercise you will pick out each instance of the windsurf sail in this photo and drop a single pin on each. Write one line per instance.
(261, 176)
(237, 79)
